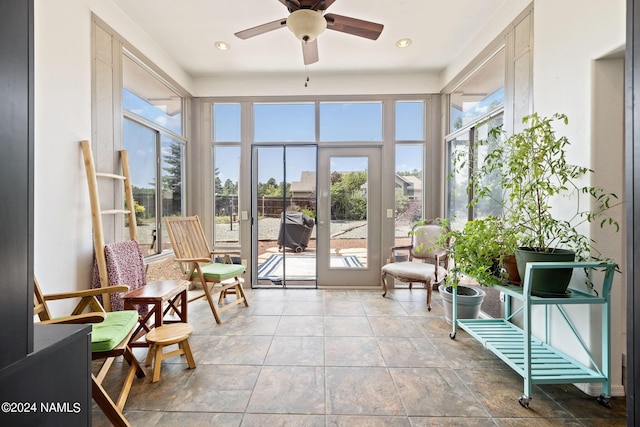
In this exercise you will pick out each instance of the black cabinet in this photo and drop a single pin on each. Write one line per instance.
(52, 385)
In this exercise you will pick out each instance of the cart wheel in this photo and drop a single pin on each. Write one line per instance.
(524, 401)
(279, 248)
(298, 249)
(452, 335)
(604, 401)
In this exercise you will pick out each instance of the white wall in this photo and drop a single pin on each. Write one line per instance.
(569, 36)
(319, 84)
(63, 241)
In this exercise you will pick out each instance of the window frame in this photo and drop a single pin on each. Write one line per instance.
(161, 243)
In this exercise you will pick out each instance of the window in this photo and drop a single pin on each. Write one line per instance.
(410, 121)
(480, 94)
(226, 163)
(409, 167)
(226, 122)
(475, 106)
(149, 98)
(408, 188)
(466, 151)
(153, 136)
(284, 122)
(351, 121)
(140, 142)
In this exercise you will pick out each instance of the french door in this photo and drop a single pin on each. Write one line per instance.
(316, 216)
(349, 217)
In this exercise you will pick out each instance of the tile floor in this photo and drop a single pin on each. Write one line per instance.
(344, 358)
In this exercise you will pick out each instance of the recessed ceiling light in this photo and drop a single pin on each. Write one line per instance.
(222, 45)
(403, 42)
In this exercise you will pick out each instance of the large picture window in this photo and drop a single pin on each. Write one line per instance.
(153, 134)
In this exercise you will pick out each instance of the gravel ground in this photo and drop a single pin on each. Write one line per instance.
(269, 228)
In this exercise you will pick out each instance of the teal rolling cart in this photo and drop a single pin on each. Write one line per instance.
(535, 359)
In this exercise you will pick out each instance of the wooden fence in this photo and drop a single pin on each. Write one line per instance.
(270, 207)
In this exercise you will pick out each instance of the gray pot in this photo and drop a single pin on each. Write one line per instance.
(469, 301)
(546, 283)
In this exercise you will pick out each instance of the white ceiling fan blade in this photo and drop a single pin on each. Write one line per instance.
(261, 29)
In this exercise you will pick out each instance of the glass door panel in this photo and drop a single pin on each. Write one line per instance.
(284, 210)
(349, 217)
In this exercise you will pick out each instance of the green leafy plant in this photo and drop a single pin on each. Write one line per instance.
(532, 169)
(479, 249)
(523, 175)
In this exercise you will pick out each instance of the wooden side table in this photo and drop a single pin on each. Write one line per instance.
(161, 296)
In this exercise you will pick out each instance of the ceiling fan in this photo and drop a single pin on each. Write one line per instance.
(307, 20)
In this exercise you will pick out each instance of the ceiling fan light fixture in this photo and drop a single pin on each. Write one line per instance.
(306, 24)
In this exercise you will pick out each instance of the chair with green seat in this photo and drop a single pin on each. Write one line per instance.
(198, 264)
(109, 339)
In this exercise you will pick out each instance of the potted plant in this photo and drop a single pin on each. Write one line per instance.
(479, 250)
(532, 169)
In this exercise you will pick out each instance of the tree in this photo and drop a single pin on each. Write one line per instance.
(402, 201)
(218, 183)
(347, 199)
(230, 188)
(172, 180)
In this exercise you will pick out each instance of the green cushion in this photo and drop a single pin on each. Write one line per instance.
(116, 326)
(219, 271)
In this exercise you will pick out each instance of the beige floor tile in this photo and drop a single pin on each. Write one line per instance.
(296, 351)
(347, 326)
(289, 390)
(352, 351)
(361, 391)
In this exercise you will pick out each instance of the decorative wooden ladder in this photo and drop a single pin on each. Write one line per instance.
(97, 212)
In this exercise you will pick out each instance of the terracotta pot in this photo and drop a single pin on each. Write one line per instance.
(512, 270)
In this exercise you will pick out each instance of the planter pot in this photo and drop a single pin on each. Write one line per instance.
(469, 301)
(512, 270)
(546, 283)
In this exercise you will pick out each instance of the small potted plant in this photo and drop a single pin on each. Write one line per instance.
(479, 251)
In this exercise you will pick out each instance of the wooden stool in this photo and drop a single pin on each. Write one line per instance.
(172, 333)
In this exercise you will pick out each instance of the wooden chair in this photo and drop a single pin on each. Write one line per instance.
(197, 262)
(110, 336)
(435, 260)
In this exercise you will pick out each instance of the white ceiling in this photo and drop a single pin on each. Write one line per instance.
(187, 31)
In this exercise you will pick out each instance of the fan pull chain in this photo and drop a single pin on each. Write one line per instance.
(306, 83)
